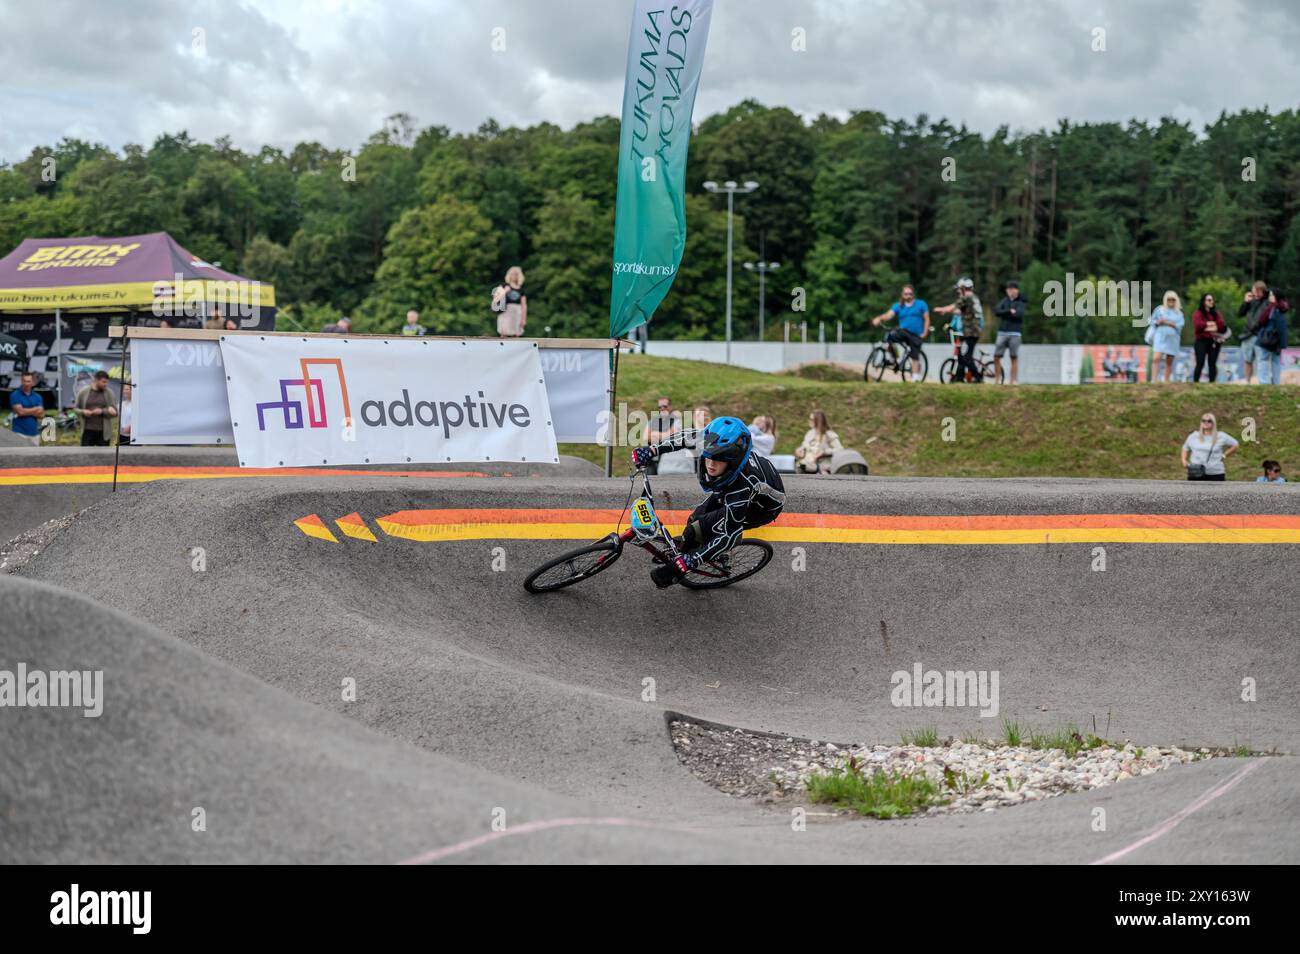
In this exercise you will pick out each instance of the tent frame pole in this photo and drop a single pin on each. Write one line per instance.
(121, 378)
(613, 392)
(58, 349)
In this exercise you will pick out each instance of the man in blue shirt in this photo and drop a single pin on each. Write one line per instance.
(913, 322)
(28, 410)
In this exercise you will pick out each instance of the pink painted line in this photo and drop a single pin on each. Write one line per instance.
(528, 828)
(1169, 824)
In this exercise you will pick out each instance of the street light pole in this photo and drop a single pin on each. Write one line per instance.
(762, 268)
(731, 188)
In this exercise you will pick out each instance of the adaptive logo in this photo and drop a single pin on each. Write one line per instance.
(314, 388)
(481, 414)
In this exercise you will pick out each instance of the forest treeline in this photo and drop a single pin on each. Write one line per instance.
(851, 208)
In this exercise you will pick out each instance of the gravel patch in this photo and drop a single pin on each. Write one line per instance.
(975, 776)
(18, 552)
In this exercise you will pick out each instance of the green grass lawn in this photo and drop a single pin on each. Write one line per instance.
(1116, 430)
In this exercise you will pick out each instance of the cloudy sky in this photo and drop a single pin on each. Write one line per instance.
(283, 71)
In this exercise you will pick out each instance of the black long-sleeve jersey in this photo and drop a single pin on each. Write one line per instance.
(754, 498)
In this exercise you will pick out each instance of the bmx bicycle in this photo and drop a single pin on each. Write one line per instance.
(989, 371)
(647, 531)
(886, 357)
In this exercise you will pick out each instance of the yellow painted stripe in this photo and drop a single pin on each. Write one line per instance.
(433, 533)
(313, 526)
(353, 526)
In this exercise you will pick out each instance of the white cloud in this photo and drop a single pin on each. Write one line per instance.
(279, 72)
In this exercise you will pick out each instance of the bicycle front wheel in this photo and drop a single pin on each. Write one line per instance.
(915, 369)
(947, 370)
(743, 560)
(573, 567)
(993, 374)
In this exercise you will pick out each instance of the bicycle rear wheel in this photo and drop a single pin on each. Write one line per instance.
(573, 567)
(947, 370)
(876, 362)
(993, 374)
(743, 560)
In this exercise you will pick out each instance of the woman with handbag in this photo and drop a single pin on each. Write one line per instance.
(1211, 332)
(1206, 450)
(1164, 335)
(1271, 336)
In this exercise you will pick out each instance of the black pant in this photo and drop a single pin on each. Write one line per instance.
(1210, 477)
(91, 438)
(966, 359)
(913, 341)
(1207, 348)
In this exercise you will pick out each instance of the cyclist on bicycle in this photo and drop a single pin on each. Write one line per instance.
(971, 311)
(913, 322)
(744, 491)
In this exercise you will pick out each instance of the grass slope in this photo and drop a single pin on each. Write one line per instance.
(1131, 430)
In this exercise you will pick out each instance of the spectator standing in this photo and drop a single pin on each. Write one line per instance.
(813, 455)
(413, 328)
(1211, 331)
(1270, 337)
(126, 416)
(1206, 450)
(1011, 317)
(1255, 302)
(763, 430)
(1165, 336)
(511, 304)
(972, 325)
(28, 408)
(95, 405)
(1272, 473)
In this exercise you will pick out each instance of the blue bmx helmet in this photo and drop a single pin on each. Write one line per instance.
(726, 439)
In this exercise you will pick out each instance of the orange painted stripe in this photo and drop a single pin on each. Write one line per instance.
(313, 526)
(23, 474)
(355, 527)
(1106, 521)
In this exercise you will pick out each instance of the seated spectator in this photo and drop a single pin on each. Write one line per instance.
(413, 328)
(29, 410)
(342, 327)
(703, 414)
(814, 454)
(662, 426)
(231, 325)
(215, 323)
(1272, 473)
(95, 406)
(763, 430)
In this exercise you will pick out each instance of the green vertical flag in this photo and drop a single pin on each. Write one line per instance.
(664, 57)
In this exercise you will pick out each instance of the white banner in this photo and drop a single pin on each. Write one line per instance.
(577, 383)
(299, 402)
(179, 393)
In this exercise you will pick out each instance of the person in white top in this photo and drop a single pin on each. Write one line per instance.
(126, 418)
(814, 454)
(1206, 449)
(763, 430)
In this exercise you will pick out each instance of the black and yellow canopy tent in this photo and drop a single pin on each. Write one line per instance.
(60, 295)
